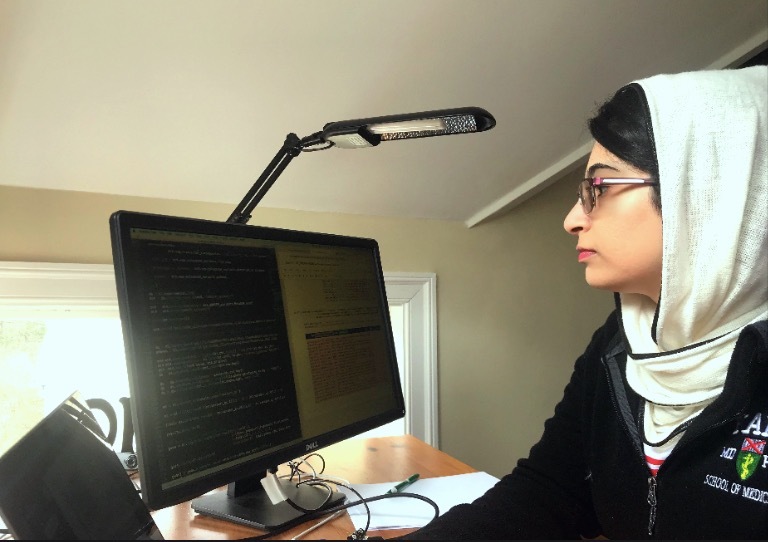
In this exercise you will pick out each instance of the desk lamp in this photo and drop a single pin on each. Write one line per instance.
(360, 133)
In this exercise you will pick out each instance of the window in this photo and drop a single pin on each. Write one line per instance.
(60, 332)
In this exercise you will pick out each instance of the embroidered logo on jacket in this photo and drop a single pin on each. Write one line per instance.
(749, 457)
(750, 462)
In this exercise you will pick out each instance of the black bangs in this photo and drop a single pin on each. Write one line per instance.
(623, 126)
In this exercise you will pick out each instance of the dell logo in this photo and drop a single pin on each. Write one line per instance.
(312, 446)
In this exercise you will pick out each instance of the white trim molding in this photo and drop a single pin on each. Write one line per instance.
(57, 288)
(416, 292)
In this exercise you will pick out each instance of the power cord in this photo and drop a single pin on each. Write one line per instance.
(312, 478)
(359, 534)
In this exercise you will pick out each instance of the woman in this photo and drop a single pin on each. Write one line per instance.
(662, 430)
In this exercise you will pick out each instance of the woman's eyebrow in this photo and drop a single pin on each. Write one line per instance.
(597, 165)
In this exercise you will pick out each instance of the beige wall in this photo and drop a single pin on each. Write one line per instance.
(513, 310)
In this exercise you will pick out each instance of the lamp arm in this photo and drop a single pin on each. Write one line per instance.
(292, 146)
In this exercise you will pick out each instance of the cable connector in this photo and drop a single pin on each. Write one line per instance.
(359, 534)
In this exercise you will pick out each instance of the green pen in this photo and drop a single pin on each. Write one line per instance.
(405, 483)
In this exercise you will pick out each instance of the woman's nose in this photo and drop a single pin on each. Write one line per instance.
(576, 220)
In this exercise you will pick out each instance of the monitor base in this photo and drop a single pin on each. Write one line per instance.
(255, 509)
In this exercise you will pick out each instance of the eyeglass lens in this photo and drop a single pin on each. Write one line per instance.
(586, 196)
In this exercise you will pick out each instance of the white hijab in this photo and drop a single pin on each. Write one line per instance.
(711, 132)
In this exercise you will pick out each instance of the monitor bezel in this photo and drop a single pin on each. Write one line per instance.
(157, 497)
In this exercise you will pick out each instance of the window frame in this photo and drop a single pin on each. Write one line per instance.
(43, 289)
(57, 289)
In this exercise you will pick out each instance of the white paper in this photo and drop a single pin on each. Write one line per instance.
(407, 512)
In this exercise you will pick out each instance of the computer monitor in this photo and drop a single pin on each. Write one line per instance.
(248, 347)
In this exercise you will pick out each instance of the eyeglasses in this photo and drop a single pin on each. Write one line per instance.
(588, 189)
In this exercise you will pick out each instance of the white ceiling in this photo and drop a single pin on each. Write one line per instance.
(191, 99)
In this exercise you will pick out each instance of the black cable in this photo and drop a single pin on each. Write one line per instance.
(324, 482)
(295, 466)
(317, 147)
(427, 500)
(314, 482)
(310, 514)
(364, 501)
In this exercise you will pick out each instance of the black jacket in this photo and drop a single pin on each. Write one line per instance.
(587, 475)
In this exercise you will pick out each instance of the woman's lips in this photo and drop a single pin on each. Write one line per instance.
(585, 253)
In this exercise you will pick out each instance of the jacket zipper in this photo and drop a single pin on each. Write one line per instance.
(652, 501)
(653, 480)
(614, 381)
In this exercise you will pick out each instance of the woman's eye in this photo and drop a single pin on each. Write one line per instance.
(599, 189)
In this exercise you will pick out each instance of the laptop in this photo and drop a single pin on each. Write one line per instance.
(62, 481)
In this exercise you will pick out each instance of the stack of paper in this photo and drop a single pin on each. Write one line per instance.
(406, 512)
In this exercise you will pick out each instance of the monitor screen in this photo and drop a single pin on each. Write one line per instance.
(247, 347)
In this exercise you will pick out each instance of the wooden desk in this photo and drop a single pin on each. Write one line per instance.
(361, 461)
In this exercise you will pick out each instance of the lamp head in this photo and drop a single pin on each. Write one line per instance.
(355, 134)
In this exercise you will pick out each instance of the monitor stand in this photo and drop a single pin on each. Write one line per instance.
(247, 503)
